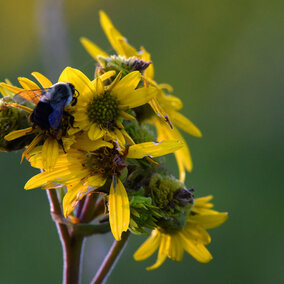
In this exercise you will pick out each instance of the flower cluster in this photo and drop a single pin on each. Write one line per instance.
(106, 137)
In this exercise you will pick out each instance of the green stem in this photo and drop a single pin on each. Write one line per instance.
(110, 260)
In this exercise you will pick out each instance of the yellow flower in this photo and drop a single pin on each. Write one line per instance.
(100, 107)
(192, 238)
(165, 106)
(88, 169)
(53, 138)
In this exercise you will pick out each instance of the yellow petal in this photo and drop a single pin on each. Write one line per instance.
(197, 232)
(99, 86)
(45, 82)
(119, 211)
(96, 181)
(81, 83)
(59, 175)
(210, 221)
(117, 41)
(152, 149)
(11, 88)
(27, 84)
(201, 201)
(137, 98)
(126, 85)
(126, 115)
(185, 124)
(92, 48)
(18, 133)
(95, 132)
(50, 152)
(196, 249)
(175, 248)
(107, 75)
(35, 141)
(73, 196)
(146, 56)
(84, 143)
(148, 247)
(163, 251)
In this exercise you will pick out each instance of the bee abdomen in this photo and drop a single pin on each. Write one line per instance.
(40, 115)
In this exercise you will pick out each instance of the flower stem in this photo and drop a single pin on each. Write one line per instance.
(72, 260)
(110, 260)
(71, 243)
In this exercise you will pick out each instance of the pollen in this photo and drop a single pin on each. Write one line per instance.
(103, 110)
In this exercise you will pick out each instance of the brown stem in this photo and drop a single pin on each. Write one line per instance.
(110, 260)
(71, 243)
(88, 208)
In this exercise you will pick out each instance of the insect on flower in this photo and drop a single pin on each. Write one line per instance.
(50, 103)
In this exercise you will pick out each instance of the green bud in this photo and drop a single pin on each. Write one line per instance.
(13, 118)
(121, 64)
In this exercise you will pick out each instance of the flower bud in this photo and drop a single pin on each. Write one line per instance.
(12, 118)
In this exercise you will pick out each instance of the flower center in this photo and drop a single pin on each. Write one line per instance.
(103, 110)
(106, 161)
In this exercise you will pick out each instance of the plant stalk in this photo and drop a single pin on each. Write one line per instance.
(110, 260)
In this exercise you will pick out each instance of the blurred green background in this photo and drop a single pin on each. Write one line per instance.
(225, 60)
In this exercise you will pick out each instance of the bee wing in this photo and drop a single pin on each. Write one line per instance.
(56, 116)
(32, 96)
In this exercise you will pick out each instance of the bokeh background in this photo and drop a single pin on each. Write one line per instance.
(225, 60)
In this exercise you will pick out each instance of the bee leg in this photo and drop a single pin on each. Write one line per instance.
(61, 144)
(74, 101)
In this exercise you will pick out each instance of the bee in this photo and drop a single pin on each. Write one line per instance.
(49, 105)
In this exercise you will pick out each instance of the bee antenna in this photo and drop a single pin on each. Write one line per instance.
(76, 91)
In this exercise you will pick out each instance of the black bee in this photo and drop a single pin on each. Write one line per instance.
(49, 105)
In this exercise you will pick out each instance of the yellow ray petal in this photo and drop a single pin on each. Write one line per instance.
(148, 247)
(117, 41)
(126, 115)
(99, 86)
(58, 175)
(185, 124)
(82, 84)
(92, 48)
(175, 248)
(73, 196)
(45, 82)
(96, 181)
(50, 152)
(107, 75)
(27, 84)
(126, 85)
(210, 221)
(95, 132)
(163, 251)
(196, 231)
(201, 201)
(159, 110)
(146, 56)
(153, 149)
(119, 211)
(84, 143)
(137, 98)
(11, 88)
(196, 249)
(18, 133)
(35, 141)
(25, 108)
